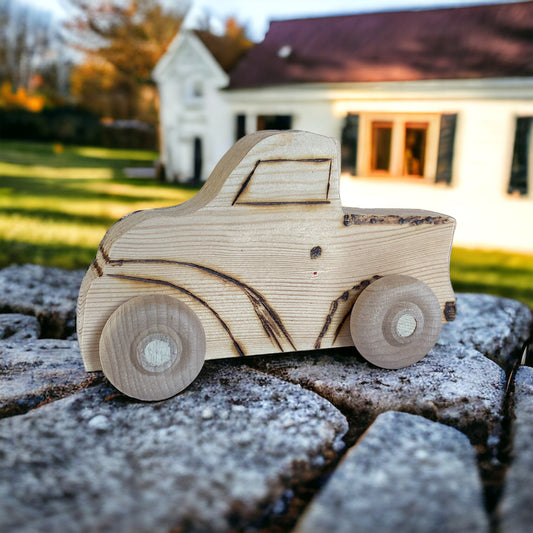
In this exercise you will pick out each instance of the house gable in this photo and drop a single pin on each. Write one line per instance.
(187, 55)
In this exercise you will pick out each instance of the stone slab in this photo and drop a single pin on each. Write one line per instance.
(216, 458)
(516, 505)
(496, 327)
(39, 371)
(48, 293)
(18, 328)
(453, 385)
(405, 474)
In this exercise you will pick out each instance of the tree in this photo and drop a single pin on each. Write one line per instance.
(122, 42)
(229, 47)
(28, 53)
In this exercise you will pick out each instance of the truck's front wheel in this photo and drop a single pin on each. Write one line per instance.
(152, 347)
(395, 321)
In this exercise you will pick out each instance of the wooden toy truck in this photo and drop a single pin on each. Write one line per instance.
(264, 259)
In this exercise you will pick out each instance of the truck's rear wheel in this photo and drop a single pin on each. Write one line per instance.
(395, 321)
(152, 347)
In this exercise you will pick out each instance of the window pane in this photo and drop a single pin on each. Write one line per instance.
(415, 148)
(381, 145)
(198, 89)
(274, 122)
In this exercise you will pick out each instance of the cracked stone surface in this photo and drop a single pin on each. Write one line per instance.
(516, 509)
(405, 474)
(211, 459)
(47, 293)
(247, 445)
(38, 371)
(496, 327)
(453, 385)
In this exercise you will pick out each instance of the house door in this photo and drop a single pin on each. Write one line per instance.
(197, 159)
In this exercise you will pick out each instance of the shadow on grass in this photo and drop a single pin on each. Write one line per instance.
(72, 188)
(62, 256)
(29, 154)
(59, 216)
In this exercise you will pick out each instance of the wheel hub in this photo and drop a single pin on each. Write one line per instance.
(157, 352)
(406, 325)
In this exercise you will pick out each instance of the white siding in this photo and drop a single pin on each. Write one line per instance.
(486, 113)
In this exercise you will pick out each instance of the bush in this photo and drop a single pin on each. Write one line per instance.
(74, 125)
(67, 124)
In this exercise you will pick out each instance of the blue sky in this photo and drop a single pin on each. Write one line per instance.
(255, 14)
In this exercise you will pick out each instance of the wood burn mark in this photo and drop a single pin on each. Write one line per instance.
(299, 202)
(105, 255)
(268, 317)
(246, 182)
(449, 311)
(315, 252)
(363, 220)
(347, 296)
(98, 268)
(226, 328)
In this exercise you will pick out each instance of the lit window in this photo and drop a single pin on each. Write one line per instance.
(414, 154)
(381, 146)
(395, 144)
(419, 145)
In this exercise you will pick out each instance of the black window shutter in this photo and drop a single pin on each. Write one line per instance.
(349, 141)
(446, 142)
(519, 164)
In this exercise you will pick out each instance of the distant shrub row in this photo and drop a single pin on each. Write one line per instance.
(73, 125)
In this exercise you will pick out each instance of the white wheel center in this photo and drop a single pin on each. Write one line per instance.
(406, 325)
(157, 352)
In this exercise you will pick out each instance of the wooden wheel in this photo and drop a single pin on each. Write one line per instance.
(395, 321)
(152, 347)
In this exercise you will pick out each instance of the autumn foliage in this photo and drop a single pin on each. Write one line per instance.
(19, 98)
(121, 44)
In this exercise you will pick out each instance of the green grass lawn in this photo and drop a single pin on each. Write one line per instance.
(57, 202)
(493, 272)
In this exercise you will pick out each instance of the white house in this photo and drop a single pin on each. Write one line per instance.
(433, 108)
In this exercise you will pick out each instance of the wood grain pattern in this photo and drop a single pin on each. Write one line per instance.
(265, 255)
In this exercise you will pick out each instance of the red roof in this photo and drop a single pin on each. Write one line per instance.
(226, 49)
(484, 41)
